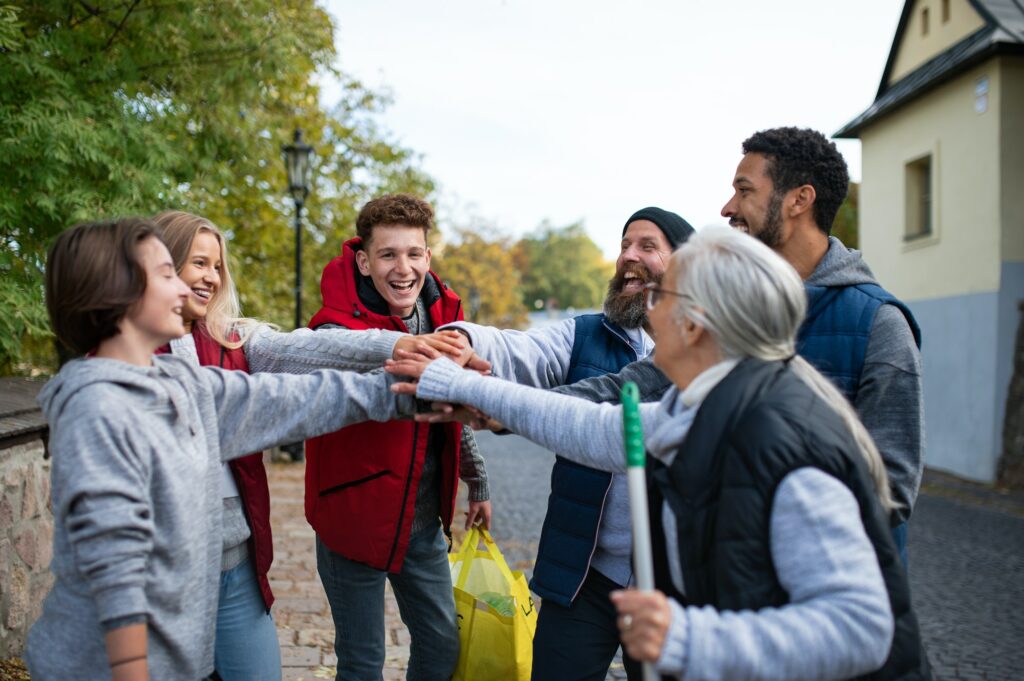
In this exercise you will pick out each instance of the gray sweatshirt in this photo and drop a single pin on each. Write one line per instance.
(889, 397)
(838, 623)
(137, 454)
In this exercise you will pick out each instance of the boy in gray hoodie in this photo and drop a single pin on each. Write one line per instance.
(137, 444)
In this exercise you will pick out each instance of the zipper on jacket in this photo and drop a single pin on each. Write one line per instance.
(405, 495)
(597, 533)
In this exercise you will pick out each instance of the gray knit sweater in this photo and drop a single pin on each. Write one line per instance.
(137, 453)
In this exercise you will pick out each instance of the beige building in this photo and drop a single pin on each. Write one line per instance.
(942, 210)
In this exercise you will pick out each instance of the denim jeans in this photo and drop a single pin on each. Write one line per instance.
(423, 590)
(246, 648)
(579, 642)
(899, 535)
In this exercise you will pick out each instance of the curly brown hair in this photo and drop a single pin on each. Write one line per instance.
(394, 209)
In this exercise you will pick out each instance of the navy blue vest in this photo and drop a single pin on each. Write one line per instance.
(569, 535)
(834, 336)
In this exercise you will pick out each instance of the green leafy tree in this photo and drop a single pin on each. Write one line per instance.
(844, 227)
(481, 269)
(563, 267)
(116, 107)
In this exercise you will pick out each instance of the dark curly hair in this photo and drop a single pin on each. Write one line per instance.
(394, 209)
(799, 156)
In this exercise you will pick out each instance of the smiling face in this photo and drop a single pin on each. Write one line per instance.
(201, 273)
(397, 260)
(157, 317)
(642, 259)
(755, 206)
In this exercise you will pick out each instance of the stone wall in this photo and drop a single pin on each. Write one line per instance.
(1011, 466)
(26, 541)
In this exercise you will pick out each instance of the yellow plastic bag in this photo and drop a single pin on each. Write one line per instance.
(495, 613)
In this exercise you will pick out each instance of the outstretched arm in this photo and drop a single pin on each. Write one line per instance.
(582, 431)
(256, 411)
(304, 351)
(538, 357)
(607, 387)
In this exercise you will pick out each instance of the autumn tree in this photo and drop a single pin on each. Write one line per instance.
(844, 227)
(480, 267)
(115, 107)
(562, 266)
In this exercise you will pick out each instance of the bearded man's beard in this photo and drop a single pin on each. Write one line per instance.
(627, 311)
(771, 233)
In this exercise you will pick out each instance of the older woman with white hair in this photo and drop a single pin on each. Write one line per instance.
(768, 498)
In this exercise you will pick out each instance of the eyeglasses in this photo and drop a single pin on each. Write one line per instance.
(654, 293)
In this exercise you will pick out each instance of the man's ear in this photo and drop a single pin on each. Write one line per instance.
(428, 257)
(801, 200)
(363, 262)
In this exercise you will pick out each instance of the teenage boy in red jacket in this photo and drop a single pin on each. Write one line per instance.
(381, 496)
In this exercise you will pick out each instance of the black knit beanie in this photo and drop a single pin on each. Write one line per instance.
(675, 229)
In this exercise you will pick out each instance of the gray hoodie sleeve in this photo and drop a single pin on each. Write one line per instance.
(472, 469)
(102, 482)
(538, 357)
(303, 351)
(890, 405)
(607, 388)
(584, 432)
(256, 411)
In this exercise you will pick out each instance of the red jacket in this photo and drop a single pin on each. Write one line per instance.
(248, 471)
(361, 481)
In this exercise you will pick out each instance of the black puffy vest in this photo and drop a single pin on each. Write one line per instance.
(755, 427)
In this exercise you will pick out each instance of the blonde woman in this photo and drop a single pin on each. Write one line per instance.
(217, 334)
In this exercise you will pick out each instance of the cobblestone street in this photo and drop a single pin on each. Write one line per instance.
(966, 554)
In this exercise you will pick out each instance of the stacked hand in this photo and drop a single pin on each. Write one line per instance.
(413, 364)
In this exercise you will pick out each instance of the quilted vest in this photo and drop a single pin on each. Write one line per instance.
(834, 335)
(569, 535)
(758, 425)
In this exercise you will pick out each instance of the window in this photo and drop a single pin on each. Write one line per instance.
(945, 11)
(924, 21)
(918, 176)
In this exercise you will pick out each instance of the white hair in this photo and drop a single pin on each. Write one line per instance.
(752, 302)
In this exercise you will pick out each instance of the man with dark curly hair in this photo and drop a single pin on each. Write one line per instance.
(787, 190)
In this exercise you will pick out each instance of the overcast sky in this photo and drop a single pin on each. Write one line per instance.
(526, 110)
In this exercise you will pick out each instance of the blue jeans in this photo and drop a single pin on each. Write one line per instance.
(578, 643)
(899, 535)
(423, 590)
(246, 648)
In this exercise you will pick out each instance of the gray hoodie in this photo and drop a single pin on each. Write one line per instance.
(888, 400)
(136, 496)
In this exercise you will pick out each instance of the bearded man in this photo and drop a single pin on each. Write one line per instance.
(586, 542)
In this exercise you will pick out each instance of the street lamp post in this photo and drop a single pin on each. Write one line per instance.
(296, 160)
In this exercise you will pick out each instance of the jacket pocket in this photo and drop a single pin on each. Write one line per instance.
(353, 483)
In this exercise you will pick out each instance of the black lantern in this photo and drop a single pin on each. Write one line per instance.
(296, 160)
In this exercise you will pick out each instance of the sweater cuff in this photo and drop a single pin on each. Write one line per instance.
(437, 379)
(384, 345)
(117, 603)
(674, 652)
(479, 490)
